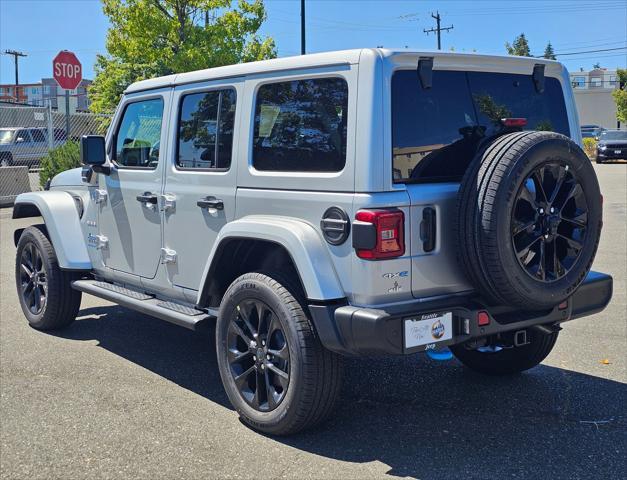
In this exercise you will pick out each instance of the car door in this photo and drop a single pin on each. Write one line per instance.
(23, 147)
(129, 216)
(39, 145)
(200, 179)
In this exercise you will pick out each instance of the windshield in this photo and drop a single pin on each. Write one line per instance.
(6, 136)
(436, 131)
(622, 135)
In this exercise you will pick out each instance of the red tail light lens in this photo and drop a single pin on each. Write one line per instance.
(389, 233)
(483, 318)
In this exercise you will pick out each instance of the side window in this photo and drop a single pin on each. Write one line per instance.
(38, 135)
(206, 122)
(22, 136)
(138, 138)
(300, 126)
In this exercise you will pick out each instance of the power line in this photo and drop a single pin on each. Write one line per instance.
(437, 29)
(16, 56)
(590, 51)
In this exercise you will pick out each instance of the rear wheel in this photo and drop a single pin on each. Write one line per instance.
(44, 290)
(497, 360)
(275, 371)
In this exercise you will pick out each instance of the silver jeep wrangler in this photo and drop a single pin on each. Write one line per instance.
(348, 203)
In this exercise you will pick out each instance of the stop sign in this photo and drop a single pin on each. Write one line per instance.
(67, 70)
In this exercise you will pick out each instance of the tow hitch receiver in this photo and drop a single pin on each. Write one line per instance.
(520, 338)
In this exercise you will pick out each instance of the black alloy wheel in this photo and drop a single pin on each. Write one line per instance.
(44, 290)
(258, 355)
(33, 279)
(275, 371)
(529, 219)
(549, 222)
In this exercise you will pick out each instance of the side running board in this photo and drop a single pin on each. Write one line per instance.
(179, 314)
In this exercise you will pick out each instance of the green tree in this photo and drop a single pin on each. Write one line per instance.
(58, 160)
(150, 38)
(549, 52)
(620, 95)
(520, 46)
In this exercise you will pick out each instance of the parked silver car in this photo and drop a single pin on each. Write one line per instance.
(26, 146)
(347, 203)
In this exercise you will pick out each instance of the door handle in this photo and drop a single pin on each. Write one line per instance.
(148, 197)
(211, 202)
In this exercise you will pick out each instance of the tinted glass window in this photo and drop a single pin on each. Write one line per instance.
(618, 135)
(139, 135)
(301, 126)
(436, 131)
(206, 129)
(22, 136)
(38, 135)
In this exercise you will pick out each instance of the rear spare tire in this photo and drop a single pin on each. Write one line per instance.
(529, 219)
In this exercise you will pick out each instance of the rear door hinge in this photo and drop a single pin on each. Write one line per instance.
(168, 202)
(168, 255)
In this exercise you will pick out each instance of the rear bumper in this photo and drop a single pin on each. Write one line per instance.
(365, 331)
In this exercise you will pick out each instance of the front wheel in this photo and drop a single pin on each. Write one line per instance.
(6, 161)
(510, 360)
(44, 290)
(275, 371)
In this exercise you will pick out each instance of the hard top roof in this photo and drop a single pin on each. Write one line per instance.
(310, 61)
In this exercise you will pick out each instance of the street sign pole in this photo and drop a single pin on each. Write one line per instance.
(50, 126)
(68, 73)
(67, 115)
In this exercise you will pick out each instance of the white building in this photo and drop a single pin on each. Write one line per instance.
(593, 96)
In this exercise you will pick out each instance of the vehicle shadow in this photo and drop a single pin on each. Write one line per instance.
(423, 419)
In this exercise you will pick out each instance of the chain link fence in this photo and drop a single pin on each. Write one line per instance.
(28, 133)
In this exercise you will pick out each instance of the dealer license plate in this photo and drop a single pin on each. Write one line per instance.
(617, 152)
(428, 329)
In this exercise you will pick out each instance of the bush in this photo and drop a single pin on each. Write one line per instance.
(590, 147)
(59, 159)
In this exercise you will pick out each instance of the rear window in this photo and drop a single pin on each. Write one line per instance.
(436, 131)
(206, 130)
(300, 126)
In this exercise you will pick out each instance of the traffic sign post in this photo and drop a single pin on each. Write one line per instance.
(68, 73)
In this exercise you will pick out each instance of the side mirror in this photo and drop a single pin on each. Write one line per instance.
(93, 153)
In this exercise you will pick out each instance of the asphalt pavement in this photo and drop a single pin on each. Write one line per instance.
(122, 395)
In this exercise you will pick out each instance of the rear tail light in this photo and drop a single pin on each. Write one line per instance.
(379, 234)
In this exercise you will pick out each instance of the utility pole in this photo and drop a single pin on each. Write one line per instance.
(438, 29)
(302, 27)
(16, 56)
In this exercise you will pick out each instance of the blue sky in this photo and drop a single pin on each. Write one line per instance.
(41, 28)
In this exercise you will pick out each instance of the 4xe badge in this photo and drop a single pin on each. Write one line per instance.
(404, 273)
